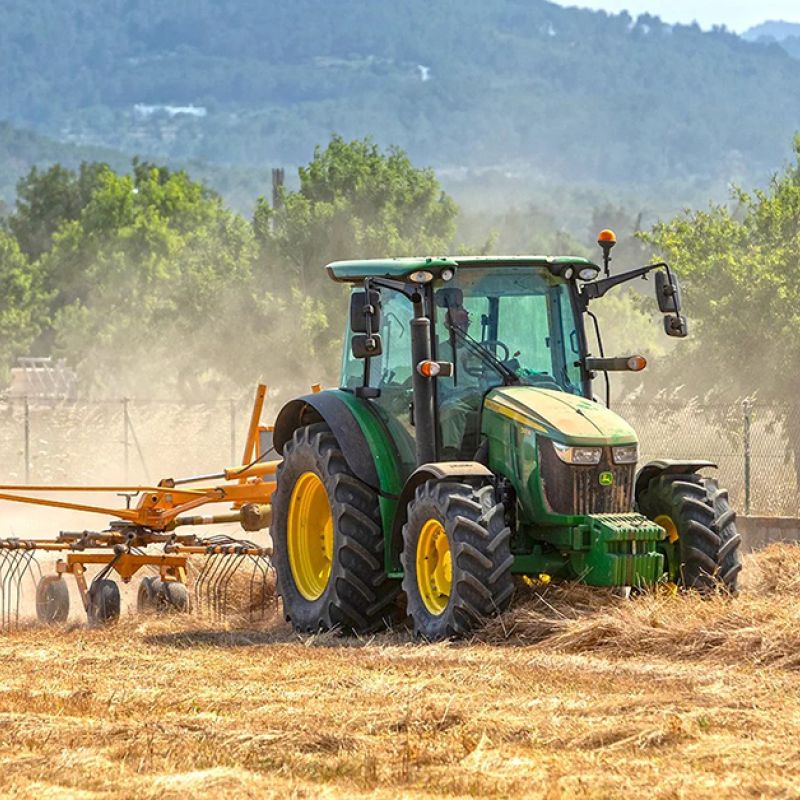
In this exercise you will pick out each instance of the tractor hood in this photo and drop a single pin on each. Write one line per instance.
(560, 416)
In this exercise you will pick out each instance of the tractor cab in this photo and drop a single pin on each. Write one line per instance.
(493, 323)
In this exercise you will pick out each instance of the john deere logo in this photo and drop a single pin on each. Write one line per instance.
(606, 479)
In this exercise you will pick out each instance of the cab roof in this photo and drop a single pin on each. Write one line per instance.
(399, 268)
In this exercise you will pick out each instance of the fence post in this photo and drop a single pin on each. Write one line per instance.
(232, 462)
(125, 442)
(747, 410)
(27, 441)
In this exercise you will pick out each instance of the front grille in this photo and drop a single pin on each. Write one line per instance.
(576, 490)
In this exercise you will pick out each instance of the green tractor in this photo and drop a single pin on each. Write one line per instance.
(464, 447)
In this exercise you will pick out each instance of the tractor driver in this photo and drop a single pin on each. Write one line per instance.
(459, 396)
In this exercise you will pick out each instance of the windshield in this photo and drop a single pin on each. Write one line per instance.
(508, 325)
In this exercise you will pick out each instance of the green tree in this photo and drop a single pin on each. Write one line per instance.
(354, 201)
(739, 270)
(23, 312)
(46, 199)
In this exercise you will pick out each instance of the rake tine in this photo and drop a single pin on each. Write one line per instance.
(215, 565)
(198, 584)
(211, 587)
(230, 567)
(4, 557)
(8, 588)
(28, 558)
(261, 566)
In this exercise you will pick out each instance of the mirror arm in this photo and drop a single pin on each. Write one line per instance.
(596, 289)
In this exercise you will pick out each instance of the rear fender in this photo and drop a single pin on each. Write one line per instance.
(330, 408)
(458, 471)
(667, 467)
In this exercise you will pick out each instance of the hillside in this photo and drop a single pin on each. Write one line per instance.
(22, 149)
(524, 86)
(576, 694)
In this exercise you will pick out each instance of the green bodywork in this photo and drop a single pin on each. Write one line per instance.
(620, 549)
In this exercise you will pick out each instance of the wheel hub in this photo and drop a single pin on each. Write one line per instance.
(310, 536)
(434, 566)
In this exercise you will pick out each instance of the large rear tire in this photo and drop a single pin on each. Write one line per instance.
(328, 540)
(703, 547)
(456, 559)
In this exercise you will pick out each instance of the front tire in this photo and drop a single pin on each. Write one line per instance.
(703, 547)
(329, 547)
(456, 559)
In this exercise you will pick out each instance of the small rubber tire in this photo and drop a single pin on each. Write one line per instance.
(52, 600)
(175, 596)
(358, 597)
(146, 596)
(707, 554)
(104, 603)
(479, 544)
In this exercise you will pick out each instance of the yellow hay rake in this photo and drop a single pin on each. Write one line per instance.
(236, 573)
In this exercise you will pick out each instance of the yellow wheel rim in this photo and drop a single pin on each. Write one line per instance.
(434, 566)
(668, 524)
(309, 536)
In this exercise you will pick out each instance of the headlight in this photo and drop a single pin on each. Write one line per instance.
(625, 454)
(578, 455)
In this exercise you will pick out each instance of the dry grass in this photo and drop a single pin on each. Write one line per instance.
(573, 693)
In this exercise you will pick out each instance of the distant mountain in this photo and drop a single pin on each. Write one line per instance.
(774, 30)
(521, 87)
(22, 149)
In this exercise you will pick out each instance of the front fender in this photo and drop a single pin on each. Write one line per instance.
(667, 466)
(435, 470)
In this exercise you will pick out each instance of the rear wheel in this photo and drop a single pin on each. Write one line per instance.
(52, 599)
(702, 549)
(328, 540)
(176, 596)
(146, 596)
(456, 558)
(104, 603)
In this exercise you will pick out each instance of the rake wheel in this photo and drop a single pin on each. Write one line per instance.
(52, 600)
(104, 603)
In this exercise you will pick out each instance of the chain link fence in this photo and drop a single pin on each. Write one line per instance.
(135, 441)
(755, 445)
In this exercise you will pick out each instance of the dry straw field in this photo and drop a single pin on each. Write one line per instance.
(574, 693)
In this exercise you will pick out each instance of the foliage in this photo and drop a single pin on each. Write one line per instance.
(738, 268)
(149, 284)
(22, 302)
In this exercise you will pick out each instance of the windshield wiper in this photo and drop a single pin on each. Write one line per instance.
(487, 356)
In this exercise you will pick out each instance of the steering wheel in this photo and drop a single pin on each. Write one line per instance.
(474, 365)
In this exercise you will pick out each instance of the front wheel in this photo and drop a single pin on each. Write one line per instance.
(702, 548)
(456, 559)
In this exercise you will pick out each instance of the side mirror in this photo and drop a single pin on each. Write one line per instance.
(361, 309)
(668, 293)
(676, 326)
(365, 346)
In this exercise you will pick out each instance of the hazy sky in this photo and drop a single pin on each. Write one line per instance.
(738, 15)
